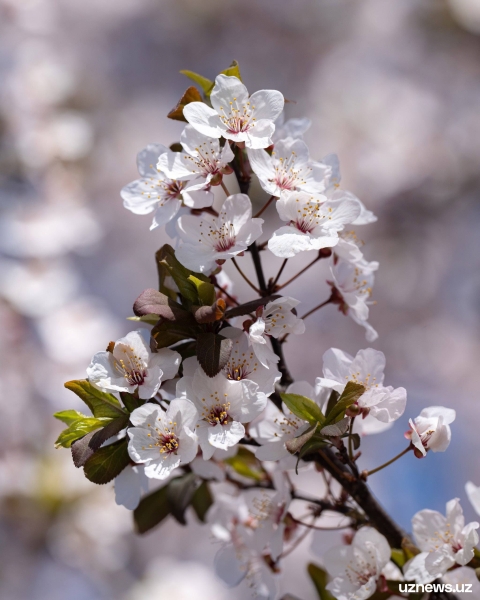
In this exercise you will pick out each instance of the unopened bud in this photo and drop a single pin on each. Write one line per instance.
(247, 324)
(353, 410)
(227, 170)
(111, 347)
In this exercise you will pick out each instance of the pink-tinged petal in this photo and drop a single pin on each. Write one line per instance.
(140, 197)
(267, 104)
(147, 159)
(228, 90)
(259, 135)
(228, 566)
(129, 486)
(164, 214)
(200, 198)
(203, 118)
(287, 242)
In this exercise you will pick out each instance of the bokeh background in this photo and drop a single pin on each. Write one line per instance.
(392, 86)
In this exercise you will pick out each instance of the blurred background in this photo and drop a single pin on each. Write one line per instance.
(392, 87)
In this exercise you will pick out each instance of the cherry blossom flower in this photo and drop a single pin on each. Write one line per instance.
(244, 364)
(288, 169)
(223, 405)
(163, 440)
(240, 558)
(208, 240)
(130, 485)
(385, 404)
(131, 365)
(430, 430)
(202, 160)
(279, 426)
(473, 494)
(236, 116)
(352, 284)
(461, 578)
(444, 542)
(154, 191)
(313, 223)
(356, 569)
(334, 193)
(274, 320)
(290, 128)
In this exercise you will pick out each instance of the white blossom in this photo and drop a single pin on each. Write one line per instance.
(353, 284)
(130, 485)
(223, 406)
(279, 426)
(288, 168)
(236, 116)
(131, 365)
(334, 193)
(461, 578)
(163, 440)
(275, 319)
(208, 240)
(473, 494)
(444, 542)
(155, 192)
(385, 404)
(430, 430)
(290, 128)
(313, 223)
(202, 160)
(244, 364)
(355, 569)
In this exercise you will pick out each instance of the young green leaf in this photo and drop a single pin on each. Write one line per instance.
(336, 429)
(190, 95)
(205, 84)
(304, 408)
(77, 429)
(202, 500)
(83, 448)
(350, 395)
(152, 510)
(213, 352)
(180, 493)
(295, 445)
(205, 290)
(101, 404)
(233, 70)
(69, 416)
(332, 400)
(131, 401)
(320, 580)
(108, 462)
(246, 464)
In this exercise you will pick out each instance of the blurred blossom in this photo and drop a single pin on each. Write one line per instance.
(466, 13)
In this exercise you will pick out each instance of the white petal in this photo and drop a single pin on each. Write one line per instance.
(228, 89)
(147, 159)
(473, 494)
(228, 567)
(203, 118)
(225, 436)
(129, 486)
(287, 242)
(267, 104)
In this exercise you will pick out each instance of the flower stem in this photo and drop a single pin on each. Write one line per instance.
(224, 188)
(299, 273)
(392, 460)
(350, 443)
(244, 276)
(279, 273)
(264, 208)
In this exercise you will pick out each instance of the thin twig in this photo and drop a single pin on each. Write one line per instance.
(224, 188)
(389, 462)
(318, 528)
(299, 273)
(279, 273)
(264, 208)
(231, 298)
(310, 312)
(245, 277)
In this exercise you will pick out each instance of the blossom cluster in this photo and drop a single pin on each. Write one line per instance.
(203, 400)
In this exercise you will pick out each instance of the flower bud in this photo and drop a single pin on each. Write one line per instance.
(353, 410)
(216, 179)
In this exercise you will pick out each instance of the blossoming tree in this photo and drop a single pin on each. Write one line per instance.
(198, 407)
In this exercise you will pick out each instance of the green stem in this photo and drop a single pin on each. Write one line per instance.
(392, 460)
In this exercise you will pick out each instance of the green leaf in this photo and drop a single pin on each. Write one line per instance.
(398, 557)
(295, 445)
(100, 403)
(190, 95)
(320, 580)
(83, 448)
(180, 493)
(249, 307)
(304, 408)
(205, 84)
(356, 441)
(205, 290)
(167, 333)
(315, 443)
(152, 510)
(202, 500)
(233, 70)
(350, 395)
(107, 462)
(169, 266)
(69, 416)
(336, 429)
(246, 464)
(332, 400)
(77, 429)
(213, 352)
(131, 401)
